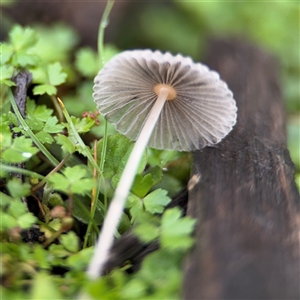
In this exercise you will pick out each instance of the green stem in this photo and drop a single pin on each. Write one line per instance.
(42, 148)
(102, 162)
(85, 148)
(103, 24)
(22, 171)
(103, 153)
(57, 109)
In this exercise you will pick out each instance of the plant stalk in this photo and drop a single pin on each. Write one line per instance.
(115, 210)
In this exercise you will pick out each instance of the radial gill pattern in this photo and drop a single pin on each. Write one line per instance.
(202, 113)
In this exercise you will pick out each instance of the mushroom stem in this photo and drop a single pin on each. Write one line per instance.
(115, 210)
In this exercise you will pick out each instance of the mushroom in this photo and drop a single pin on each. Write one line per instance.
(165, 102)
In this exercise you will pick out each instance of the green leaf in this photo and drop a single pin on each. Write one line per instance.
(26, 220)
(176, 231)
(35, 124)
(86, 62)
(134, 289)
(44, 89)
(22, 38)
(20, 151)
(17, 189)
(11, 117)
(51, 125)
(60, 182)
(40, 256)
(23, 59)
(156, 174)
(40, 112)
(43, 288)
(39, 74)
(17, 208)
(5, 136)
(70, 241)
(161, 272)
(5, 199)
(55, 42)
(80, 260)
(6, 73)
(66, 145)
(7, 82)
(117, 149)
(7, 222)
(73, 180)
(81, 210)
(135, 205)
(142, 185)
(6, 52)
(146, 231)
(156, 201)
(82, 125)
(55, 74)
(44, 137)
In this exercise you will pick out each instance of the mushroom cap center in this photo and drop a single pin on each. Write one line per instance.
(172, 93)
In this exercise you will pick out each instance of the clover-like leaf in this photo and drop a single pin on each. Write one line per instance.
(23, 59)
(146, 231)
(176, 230)
(5, 136)
(6, 52)
(55, 74)
(44, 137)
(73, 180)
(142, 185)
(82, 125)
(18, 189)
(40, 112)
(51, 125)
(26, 220)
(22, 38)
(156, 201)
(44, 89)
(6, 73)
(66, 144)
(20, 150)
(70, 241)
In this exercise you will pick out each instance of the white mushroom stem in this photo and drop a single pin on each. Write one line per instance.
(116, 207)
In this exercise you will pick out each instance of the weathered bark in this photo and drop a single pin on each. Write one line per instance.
(243, 192)
(22, 80)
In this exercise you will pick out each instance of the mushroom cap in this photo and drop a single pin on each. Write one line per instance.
(202, 113)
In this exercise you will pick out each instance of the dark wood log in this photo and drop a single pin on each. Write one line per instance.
(243, 192)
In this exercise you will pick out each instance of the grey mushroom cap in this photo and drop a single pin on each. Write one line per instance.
(202, 113)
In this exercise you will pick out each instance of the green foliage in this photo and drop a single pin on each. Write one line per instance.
(15, 150)
(49, 78)
(51, 163)
(87, 62)
(64, 194)
(14, 215)
(118, 150)
(73, 181)
(176, 231)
